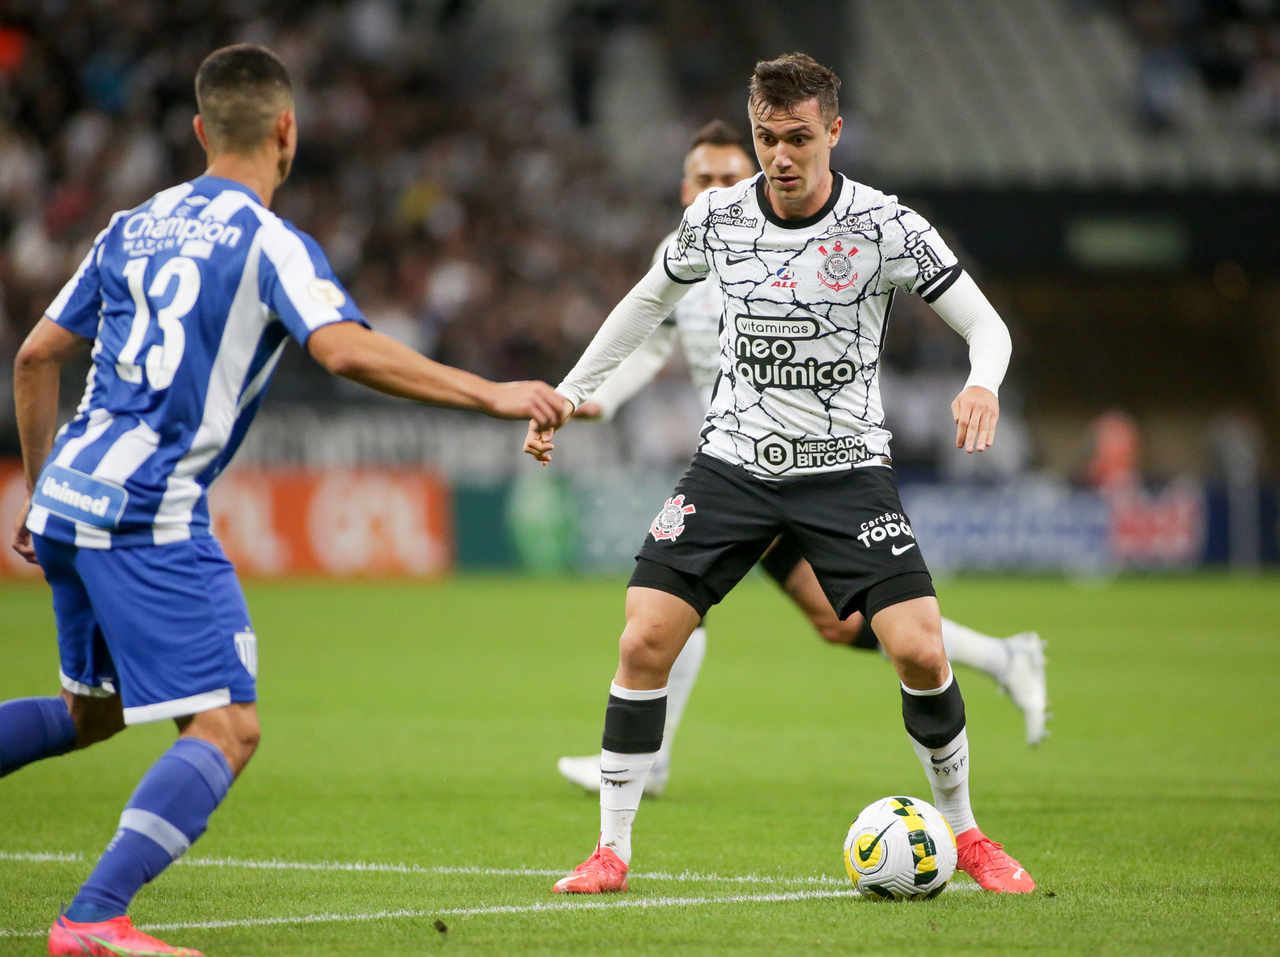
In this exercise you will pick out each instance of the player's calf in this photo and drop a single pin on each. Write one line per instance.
(166, 814)
(32, 729)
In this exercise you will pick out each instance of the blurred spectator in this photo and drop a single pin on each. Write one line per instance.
(1230, 47)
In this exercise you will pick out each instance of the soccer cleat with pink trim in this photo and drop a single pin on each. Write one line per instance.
(986, 862)
(600, 873)
(109, 938)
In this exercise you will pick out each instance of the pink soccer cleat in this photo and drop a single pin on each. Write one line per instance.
(109, 938)
(600, 873)
(994, 870)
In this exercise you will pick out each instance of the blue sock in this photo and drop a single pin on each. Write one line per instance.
(33, 728)
(169, 809)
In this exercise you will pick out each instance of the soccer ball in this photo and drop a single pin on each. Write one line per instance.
(900, 848)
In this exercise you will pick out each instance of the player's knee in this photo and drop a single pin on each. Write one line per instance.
(925, 664)
(645, 646)
(242, 740)
(234, 730)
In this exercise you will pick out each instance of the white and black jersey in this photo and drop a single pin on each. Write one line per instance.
(802, 320)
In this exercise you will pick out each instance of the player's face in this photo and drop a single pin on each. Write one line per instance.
(794, 150)
(711, 164)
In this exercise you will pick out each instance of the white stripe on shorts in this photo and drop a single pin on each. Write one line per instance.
(178, 707)
(106, 690)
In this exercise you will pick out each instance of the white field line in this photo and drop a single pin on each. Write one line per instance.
(384, 868)
(376, 867)
(565, 905)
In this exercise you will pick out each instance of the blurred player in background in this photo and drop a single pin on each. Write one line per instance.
(807, 263)
(189, 300)
(718, 158)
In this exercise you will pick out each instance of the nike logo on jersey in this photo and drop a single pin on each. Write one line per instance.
(946, 759)
(735, 260)
(901, 549)
(864, 853)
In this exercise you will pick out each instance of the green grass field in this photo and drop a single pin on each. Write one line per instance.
(413, 730)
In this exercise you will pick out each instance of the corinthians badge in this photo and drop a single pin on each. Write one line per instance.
(669, 522)
(836, 271)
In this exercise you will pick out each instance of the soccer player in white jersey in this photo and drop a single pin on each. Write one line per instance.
(807, 262)
(717, 158)
(189, 300)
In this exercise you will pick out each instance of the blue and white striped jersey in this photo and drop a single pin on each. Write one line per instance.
(189, 299)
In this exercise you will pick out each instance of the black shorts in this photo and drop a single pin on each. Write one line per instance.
(782, 558)
(849, 525)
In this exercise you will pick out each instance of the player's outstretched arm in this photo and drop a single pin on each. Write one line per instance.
(623, 331)
(380, 362)
(976, 409)
(635, 372)
(36, 371)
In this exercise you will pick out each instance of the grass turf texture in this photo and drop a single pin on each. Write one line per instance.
(420, 725)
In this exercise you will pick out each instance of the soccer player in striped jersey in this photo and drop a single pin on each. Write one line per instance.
(795, 441)
(717, 158)
(189, 300)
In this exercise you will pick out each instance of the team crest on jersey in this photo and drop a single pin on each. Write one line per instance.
(836, 271)
(668, 524)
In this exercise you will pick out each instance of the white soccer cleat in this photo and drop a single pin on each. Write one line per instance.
(584, 771)
(1025, 683)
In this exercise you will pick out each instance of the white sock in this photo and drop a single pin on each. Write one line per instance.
(964, 646)
(621, 787)
(947, 769)
(679, 686)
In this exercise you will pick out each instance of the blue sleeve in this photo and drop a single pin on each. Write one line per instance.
(78, 307)
(298, 285)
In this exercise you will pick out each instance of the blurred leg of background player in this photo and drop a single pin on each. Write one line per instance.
(1015, 663)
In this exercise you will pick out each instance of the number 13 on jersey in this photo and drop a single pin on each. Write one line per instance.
(163, 359)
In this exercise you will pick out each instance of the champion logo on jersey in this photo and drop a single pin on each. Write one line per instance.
(668, 524)
(836, 271)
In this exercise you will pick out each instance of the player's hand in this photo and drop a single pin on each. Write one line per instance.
(528, 400)
(589, 410)
(975, 411)
(22, 536)
(537, 442)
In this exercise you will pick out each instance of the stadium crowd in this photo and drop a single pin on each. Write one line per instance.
(471, 216)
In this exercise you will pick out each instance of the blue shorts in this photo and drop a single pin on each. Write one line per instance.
(165, 626)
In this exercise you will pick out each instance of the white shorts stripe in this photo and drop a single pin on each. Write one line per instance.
(178, 708)
(106, 690)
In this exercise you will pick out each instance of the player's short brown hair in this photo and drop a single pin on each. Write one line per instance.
(781, 84)
(240, 90)
(717, 133)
